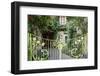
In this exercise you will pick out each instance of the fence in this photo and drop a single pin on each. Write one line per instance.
(46, 49)
(42, 48)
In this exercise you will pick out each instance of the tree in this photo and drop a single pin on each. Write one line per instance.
(44, 23)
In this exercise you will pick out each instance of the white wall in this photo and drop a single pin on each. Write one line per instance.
(5, 41)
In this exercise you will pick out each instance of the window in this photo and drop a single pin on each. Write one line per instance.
(62, 20)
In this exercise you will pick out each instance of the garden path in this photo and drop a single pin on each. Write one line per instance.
(54, 54)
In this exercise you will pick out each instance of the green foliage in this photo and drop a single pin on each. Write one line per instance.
(78, 22)
(75, 47)
(44, 23)
(76, 29)
(77, 33)
(35, 51)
